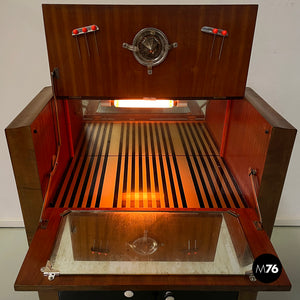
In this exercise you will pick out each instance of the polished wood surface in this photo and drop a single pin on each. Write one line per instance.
(215, 116)
(188, 70)
(32, 142)
(25, 164)
(268, 113)
(75, 117)
(44, 130)
(258, 138)
(45, 140)
(31, 278)
(247, 144)
(277, 159)
(261, 139)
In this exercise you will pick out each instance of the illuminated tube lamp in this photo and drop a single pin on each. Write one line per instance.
(130, 103)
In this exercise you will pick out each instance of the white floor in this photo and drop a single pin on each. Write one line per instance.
(13, 247)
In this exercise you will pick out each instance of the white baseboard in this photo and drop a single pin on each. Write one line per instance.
(287, 222)
(11, 223)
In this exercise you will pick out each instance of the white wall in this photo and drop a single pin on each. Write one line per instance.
(274, 73)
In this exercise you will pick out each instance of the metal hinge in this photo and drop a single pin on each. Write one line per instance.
(250, 275)
(49, 271)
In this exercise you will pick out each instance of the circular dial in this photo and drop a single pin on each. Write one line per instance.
(152, 46)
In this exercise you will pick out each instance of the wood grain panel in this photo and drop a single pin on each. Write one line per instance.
(32, 141)
(275, 169)
(45, 139)
(259, 138)
(25, 166)
(247, 144)
(278, 155)
(187, 72)
(75, 114)
(215, 115)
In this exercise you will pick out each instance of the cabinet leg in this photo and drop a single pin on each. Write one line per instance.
(246, 295)
(48, 295)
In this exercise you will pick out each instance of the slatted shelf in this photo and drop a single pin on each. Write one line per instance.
(148, 165)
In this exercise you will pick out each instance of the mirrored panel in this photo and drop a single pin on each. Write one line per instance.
(98, 242)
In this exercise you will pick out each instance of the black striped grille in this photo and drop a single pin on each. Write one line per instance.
(148, 165)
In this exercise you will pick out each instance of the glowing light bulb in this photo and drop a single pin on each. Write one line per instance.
(143, 103)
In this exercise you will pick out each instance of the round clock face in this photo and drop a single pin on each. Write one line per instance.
(152, 46)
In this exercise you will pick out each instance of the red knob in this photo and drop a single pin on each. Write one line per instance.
(224, 32)
(84, 29)
(75, 31)
(215, 30)
(94, 27)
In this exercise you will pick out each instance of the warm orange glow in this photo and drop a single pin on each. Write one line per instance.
(141, 196)
(144, 103)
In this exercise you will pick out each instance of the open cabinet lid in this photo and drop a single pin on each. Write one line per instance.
(46, 240)
(110, 51)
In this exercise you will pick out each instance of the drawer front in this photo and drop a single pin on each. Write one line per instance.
(146, 295)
